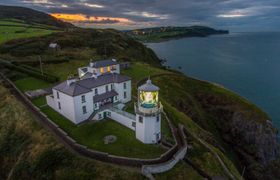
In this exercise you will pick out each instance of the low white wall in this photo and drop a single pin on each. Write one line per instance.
(123, 118)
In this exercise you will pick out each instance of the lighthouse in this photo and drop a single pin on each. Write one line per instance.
(148, 114)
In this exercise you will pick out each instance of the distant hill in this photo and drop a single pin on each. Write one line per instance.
(31, 16)
(170, 32)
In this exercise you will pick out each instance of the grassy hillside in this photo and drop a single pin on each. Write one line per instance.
(11, 29)
(158, 34)
(31, 16)
(78, 45)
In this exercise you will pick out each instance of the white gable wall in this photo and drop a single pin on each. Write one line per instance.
(66, 103)
(78, 106)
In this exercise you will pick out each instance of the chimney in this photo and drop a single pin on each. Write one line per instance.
(114, 60)
(92, 63)
(71, 80)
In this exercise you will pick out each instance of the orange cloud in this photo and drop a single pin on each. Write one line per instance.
(82, 17)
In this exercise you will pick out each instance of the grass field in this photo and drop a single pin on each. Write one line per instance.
(92, 134)
(30, 83)
(9, 31)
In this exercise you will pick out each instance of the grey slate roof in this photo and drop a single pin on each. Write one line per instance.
(105, 95)
(73, 89)
(104, 63)
(85, 85)
(148, 86)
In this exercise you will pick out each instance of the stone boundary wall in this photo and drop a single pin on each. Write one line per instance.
(83, 150)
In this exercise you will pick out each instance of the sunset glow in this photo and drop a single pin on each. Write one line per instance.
(84, 18)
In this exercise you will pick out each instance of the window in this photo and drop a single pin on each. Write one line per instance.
(108, 69)
(109, 114)
(59, 106)
(124, 85)
(96, 91)
(107, 88)
(112, 87)
(57, 94)
(140, 119)
(133, 124)
(124, 95)
(96, 105)
(83, 98)
(84, 109)
(158, 136)
(102, 70)
(116, 98)
(157, 118)
(99, 116)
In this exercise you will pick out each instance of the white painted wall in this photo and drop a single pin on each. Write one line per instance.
(78, 104)
(67, 105)
(148, 130)
(123, 118)
(119, 88)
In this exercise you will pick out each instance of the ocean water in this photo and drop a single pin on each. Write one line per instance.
(247, 63)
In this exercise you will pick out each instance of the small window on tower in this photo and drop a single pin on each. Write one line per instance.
(140, 119)
(157, 118)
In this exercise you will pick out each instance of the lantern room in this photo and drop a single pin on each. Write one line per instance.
(148, 95)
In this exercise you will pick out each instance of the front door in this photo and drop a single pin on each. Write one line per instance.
(104, 114)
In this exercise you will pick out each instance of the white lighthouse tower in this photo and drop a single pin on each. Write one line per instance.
(148, 114)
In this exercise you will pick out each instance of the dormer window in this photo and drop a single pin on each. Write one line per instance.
(102, 70)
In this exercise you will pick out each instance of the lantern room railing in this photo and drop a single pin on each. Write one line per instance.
(148, 111)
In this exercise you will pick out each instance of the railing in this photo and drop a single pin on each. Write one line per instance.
(148, 111)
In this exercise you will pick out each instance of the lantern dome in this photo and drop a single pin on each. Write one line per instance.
(148, 86)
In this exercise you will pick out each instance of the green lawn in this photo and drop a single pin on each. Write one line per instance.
(92, 134)
(30, 83)
(9, 32)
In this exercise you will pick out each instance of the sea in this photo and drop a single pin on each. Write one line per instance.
(246, 63)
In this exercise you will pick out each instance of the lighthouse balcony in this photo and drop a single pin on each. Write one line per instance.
(148, 111)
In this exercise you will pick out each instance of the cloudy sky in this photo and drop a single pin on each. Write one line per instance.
(235, 15)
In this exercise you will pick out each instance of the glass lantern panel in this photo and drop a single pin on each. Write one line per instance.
(148, 99)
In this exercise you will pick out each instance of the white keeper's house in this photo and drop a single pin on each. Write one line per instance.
(101, 92)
